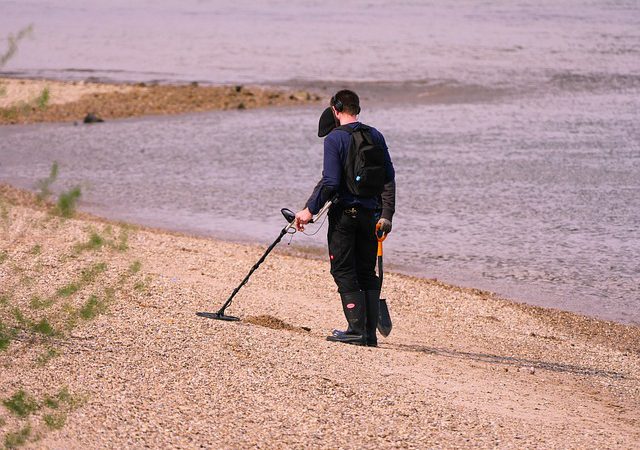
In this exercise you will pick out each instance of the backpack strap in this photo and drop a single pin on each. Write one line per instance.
(346, 128)
(350, 129)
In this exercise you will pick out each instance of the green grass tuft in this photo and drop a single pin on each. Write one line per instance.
(44, 327)
(17, 438)
(68, 290)
(6, 336)
(52, 402)
(95, 242)
(67, 201)
(89, 275)
(44, 185)
(47, 356)
(21, 404)
(17, 314)
(64, 396)
(36, 250)
(38, 303)
(92, 308)
(3, 256)
(55, 421)
(135, 267)
(43, 99)
(123, 239)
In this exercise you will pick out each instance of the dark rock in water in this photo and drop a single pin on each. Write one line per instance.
(92, 118)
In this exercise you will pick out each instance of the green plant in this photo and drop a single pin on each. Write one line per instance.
(55, 421)
(47, 356)
(36, 250)
(4, 212)
(43, 327)
(95, 242)
(22, 321)
(92, 307)
(64, 396)
(17, 438)
(72, 316)
(3, 256)
(135, 267)
(123, 239)
(43, 99)
(21, 404)
(12, 44)
(9, 113)
(66, 206)
(68, 290)
(44, 184)
(6, 335)
(38, 303)
(89, 275)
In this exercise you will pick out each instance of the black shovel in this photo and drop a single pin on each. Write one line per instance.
(384, 319)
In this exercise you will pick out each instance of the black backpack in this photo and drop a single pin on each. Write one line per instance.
(364, 170)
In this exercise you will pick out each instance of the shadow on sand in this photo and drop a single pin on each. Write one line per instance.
(507, 360)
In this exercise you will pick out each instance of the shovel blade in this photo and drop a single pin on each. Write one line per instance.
(384, 319)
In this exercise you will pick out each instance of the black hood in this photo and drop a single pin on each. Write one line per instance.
(326, 123)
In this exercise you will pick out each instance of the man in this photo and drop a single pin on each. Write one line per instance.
(352, 220)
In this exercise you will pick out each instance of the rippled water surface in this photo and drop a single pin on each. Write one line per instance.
(513, 129)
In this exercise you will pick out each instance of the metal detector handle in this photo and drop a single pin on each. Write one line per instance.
(324, 208)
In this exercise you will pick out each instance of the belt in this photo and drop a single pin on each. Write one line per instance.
(353, 211)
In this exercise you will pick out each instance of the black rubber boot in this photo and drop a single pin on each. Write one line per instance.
(372, 311)
(337, 332)
(354, 306)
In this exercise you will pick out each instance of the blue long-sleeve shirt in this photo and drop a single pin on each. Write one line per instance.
(336, 148)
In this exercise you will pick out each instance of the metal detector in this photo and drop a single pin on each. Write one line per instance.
(291, 219)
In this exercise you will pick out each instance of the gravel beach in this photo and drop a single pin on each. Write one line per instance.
(98, 332)
(29, 100)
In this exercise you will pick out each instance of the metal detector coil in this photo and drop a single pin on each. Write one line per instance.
(290, 217)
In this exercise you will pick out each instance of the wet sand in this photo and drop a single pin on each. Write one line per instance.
(462, 368)
(24, 101)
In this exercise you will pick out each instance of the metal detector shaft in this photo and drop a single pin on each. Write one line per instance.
(290, 217)
(255, 266)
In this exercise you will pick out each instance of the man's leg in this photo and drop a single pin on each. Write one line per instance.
(341, 237)
(365, 254)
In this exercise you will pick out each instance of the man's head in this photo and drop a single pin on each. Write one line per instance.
(346, 101)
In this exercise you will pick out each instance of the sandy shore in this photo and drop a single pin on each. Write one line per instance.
(125, 363)
(29, 101)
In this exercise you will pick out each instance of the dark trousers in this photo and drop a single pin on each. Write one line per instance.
(353, 248)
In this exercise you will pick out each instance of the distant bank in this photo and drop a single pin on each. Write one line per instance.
(25, 101)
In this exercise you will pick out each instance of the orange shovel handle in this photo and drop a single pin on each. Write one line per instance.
(380, 236)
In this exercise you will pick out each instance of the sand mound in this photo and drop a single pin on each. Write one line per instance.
(269, 322)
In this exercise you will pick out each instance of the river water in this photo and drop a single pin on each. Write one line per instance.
(513, 129)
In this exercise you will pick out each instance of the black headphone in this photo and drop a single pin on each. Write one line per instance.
(339, 106)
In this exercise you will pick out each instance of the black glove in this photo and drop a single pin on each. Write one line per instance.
(385, 225)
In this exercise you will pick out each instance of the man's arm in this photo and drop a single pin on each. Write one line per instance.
(331, 175)
(388, 196)
(389, 200)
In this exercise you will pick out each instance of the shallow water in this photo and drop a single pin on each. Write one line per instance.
(513, 129)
